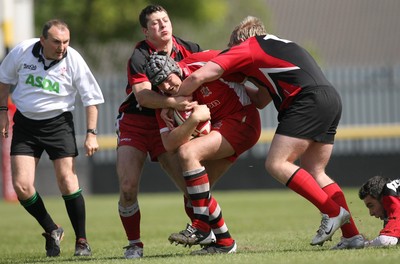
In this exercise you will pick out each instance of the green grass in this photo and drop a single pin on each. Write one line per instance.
(270, 226)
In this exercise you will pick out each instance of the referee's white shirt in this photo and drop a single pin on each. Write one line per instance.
(41, 94)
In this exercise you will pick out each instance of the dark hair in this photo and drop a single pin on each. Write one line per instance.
(50, 23)
(373, 187)
(148, 10)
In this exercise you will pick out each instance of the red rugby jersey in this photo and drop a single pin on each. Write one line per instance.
(136, 70)
(223, 97)
(281, 65)
(391, 204)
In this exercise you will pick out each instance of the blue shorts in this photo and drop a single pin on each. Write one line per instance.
(56, 136)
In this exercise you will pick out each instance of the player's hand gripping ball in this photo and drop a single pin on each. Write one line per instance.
(202, 129)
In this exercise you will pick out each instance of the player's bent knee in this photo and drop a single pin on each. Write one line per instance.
(186, 154)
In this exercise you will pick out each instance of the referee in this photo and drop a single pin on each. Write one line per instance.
(47, 75)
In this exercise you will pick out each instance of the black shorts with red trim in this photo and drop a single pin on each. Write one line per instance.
(314, 114)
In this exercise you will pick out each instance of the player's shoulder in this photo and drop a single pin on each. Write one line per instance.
(203, 56)
(188, 45)
(26, 44)
(392, 188)
(22, 49)
(141, 52)
(272, 38)
(73, 52)
(74, 58)
(207, 54)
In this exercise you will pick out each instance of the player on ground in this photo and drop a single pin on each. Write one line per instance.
(136, 124)
(382, 198)
(235, 128)
(48, 74)
(309, 110)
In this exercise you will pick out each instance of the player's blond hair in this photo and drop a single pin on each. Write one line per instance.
(249, 27)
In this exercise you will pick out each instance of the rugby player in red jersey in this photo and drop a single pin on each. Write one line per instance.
(382, 198)
(136, 124)
(309, 109)
(235, 128)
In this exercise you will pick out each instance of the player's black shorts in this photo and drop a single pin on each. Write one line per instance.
(56, 136)
(314, 114)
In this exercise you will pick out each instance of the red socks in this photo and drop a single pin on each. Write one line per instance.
(130, 218)
(336, 194)
(304, 184)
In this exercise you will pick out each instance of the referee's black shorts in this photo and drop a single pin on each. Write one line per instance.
(56, 136)
(314, 114)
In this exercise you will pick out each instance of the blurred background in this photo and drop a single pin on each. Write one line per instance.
(356, 43)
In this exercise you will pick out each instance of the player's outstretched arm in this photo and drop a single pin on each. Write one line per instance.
(209, 72)
(382, 241)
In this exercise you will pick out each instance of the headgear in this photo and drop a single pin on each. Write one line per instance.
(159, 66)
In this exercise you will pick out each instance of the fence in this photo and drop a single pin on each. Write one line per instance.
(368, 140)
(370, 121)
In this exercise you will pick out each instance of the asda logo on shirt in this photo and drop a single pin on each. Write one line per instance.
(45, 84)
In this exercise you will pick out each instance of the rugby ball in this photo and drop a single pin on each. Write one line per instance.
(202, 129)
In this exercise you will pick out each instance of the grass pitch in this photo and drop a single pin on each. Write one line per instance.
(269, 226)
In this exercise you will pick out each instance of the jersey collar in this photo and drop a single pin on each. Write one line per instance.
(36, 51)
(175, 49)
